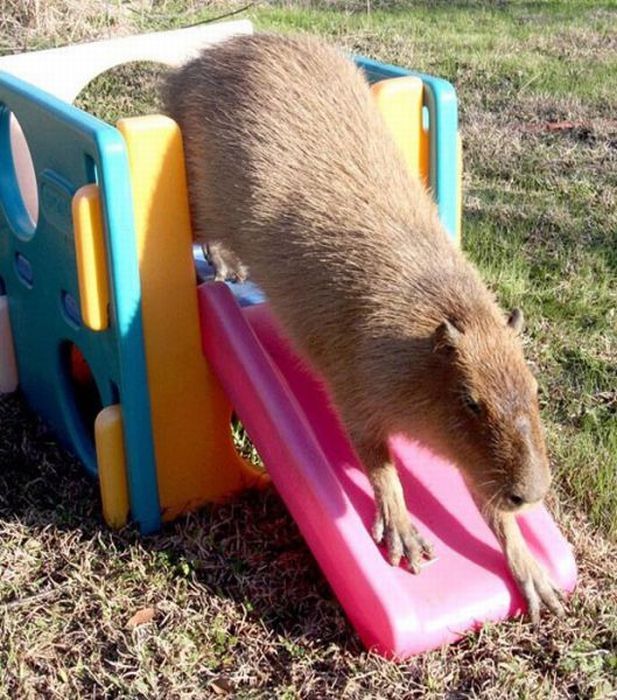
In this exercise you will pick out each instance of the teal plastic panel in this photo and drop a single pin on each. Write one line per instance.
(70, 148)
(440, 100)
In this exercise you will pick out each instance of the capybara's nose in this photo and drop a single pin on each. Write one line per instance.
(529, 493)
(516, 500)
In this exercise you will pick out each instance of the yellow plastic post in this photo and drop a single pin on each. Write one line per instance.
(195, 457)
(109, 441)
(90, 252)
(400, 103)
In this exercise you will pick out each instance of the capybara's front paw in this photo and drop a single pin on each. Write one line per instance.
(402, 540)
(536, 585)
(392, 522)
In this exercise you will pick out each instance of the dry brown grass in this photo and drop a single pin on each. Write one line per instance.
(238, 602)
(27, 25)
(30, 24)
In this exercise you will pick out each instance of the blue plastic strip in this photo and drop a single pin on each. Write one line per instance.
(440, 99)
(67, 145)
(124, 278)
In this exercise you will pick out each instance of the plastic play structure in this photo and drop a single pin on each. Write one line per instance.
(138, 370)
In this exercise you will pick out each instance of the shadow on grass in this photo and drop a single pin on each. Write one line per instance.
(248, 551)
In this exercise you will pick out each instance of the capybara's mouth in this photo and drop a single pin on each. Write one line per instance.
(512, 503)
(506, 505)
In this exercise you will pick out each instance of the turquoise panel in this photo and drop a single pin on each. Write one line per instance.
(70, 148)
(440, 100)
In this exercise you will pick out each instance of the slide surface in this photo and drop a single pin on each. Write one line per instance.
(286, 411)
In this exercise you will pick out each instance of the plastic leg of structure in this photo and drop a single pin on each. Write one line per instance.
(109, 438)
(8, 365)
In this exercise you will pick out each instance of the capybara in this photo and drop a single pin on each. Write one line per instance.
(292, 173)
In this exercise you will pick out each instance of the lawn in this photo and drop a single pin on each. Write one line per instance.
(231, 601)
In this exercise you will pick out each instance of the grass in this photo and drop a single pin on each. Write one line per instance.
(237, 605)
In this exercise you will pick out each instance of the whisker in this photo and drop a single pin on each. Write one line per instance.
(485, 508)
(487, 483)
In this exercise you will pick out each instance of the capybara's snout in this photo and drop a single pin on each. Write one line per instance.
(531, 488)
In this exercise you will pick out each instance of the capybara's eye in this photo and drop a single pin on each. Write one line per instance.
(472, 405)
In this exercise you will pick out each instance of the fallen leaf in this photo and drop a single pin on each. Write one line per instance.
(221, 686)
(141, 617)
(563, 126)
(536, 128)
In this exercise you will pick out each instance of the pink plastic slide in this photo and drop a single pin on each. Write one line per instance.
(286, 411)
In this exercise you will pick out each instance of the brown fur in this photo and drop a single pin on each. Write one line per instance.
(291, 168)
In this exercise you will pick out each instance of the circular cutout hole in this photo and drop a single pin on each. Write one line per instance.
(18, 188)
(83, 386)
(128, 90)
(243, 444)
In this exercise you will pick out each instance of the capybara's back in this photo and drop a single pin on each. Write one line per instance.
(291, 171)
(290, 166)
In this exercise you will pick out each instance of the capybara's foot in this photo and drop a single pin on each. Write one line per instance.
(227, 265)
(238, 273)
(402, 541)
(531, 577)
(392, 523)
(535, 584)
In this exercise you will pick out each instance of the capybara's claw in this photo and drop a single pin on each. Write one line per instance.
(227, 266)
(416, 548)
(378, 529)
(240, 273)
(542, 593)
(402, 541)
(536, 586)
(224, 273)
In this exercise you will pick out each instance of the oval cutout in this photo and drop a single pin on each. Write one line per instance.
(70, 309)
(23, 269)
(128, 90)
(18, 185)
(83, 387)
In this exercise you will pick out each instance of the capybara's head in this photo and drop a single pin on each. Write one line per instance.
(492, 424)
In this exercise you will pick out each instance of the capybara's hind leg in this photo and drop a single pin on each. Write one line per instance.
(392, 522)
(227, 265)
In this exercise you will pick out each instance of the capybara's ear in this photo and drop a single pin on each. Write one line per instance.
(446, 337)
(516, 321)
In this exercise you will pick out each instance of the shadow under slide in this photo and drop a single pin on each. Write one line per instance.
(286, 411)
